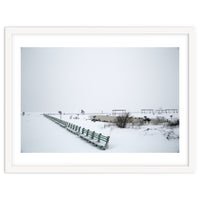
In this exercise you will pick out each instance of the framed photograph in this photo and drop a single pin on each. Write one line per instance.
(99, 100)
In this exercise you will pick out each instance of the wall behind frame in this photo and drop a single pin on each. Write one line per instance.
(96, 13)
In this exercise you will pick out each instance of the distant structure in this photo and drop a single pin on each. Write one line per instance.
(159, 111)
(118, 112)
(147, 111)
(171, 110)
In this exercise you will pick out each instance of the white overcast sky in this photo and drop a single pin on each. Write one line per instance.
(99, 79)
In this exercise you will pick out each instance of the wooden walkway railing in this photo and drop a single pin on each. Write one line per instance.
(97, 139)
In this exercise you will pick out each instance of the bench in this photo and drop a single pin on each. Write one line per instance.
(97, 139)
(73, 128)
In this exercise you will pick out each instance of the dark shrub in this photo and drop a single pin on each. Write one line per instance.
(173, 123)
(122, 120)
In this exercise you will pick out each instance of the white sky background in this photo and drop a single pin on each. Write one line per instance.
(99, 79)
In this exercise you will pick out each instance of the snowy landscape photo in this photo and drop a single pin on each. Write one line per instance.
(100, 100)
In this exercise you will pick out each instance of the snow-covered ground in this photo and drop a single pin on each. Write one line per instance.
(39, 134)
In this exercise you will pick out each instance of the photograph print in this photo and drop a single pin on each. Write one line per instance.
(99, 100)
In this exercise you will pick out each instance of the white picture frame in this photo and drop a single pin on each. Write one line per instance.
(16, 37)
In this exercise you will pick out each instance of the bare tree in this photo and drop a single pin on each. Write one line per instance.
(122, 120)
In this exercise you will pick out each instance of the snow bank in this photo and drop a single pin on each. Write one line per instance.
(42, 135)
